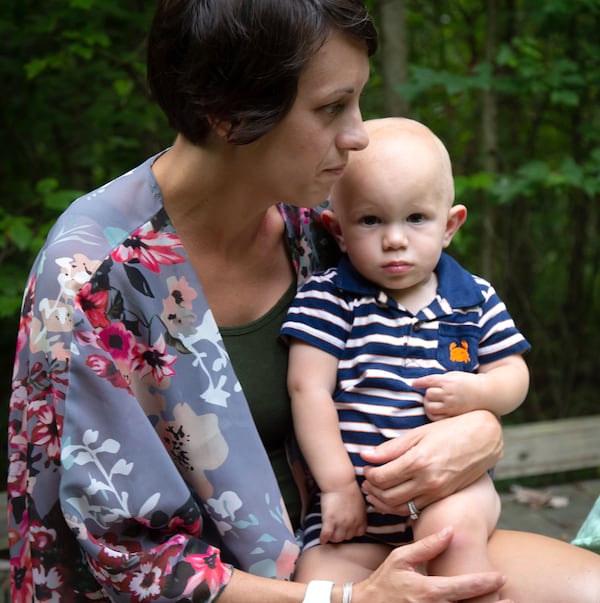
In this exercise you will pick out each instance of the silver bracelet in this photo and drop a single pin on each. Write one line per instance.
(318, 591)
(347, 592)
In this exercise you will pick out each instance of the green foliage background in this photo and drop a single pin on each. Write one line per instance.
(76, 113)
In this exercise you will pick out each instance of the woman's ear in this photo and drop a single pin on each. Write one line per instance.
(456, 218)
(332, 224)
(221, 127)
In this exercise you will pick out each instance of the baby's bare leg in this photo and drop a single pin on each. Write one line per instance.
(473, 512)
(344, 562)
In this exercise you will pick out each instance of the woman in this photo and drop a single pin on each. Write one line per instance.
(141, 469)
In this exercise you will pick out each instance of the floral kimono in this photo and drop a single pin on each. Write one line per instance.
(136, 471)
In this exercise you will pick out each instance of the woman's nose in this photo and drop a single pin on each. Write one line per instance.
(354, 137)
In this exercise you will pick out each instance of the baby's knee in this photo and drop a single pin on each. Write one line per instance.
(477, 515)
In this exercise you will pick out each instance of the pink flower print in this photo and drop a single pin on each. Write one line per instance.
(25, 320)
(149, 248)
(286, 562)
(177, 314)
(178, 523)
(94, 305)
(75, 272)
(20, 395)
(107, 369)
(118, 341)
(41, 537)
(16, 482)
(208, 568)
(47, 430)
(154, 359)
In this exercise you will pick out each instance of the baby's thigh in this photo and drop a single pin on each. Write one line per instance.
(482, 496)
(344, 562)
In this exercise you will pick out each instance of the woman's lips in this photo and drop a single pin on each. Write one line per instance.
(336, 171)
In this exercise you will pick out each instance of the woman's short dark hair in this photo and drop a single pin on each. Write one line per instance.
(239, 61)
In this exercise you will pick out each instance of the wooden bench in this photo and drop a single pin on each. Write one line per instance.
(530, 449)
(550, 447)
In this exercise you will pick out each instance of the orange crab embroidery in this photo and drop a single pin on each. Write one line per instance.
(459, 354)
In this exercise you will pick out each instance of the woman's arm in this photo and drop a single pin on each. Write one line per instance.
(397, 580)
(545, 569)
(432, 461)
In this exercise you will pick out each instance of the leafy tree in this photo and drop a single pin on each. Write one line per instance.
(513, 91)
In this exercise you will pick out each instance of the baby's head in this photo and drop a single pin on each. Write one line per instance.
(403, 154)
(393, 206)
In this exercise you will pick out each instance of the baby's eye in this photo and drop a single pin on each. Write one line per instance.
(415, 218)
(370, 220)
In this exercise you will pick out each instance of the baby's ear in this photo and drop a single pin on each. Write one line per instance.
(456, 218)
(332, 224)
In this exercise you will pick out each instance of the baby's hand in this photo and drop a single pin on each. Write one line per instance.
(450, 394)
(343, 514)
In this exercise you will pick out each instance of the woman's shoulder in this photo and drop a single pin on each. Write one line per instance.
(98, 221)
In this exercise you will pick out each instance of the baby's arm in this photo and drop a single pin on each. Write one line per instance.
(499, 387)
(311, 382)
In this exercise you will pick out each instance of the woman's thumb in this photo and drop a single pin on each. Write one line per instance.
(424, 550)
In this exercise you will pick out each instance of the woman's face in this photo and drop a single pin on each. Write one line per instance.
(301, 158)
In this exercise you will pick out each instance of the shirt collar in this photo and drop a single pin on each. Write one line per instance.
(455, 284)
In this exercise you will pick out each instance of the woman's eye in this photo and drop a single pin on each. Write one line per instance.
(334, 108)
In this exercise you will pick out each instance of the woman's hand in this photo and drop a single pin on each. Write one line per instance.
(431, 462)
(398, 579)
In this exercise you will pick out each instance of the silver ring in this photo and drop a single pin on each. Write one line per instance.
(414, 512)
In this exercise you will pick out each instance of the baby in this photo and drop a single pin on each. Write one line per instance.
(397, 335)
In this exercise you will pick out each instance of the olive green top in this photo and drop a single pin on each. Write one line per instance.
(260, 360)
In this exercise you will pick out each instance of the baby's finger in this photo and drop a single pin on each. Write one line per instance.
(426, 382)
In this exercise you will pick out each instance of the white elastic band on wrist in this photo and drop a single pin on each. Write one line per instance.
(318, 591)
(347, 592)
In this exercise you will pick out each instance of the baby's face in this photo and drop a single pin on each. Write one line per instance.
(394, 208)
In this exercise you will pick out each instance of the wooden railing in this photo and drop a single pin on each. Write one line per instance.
(550, 447)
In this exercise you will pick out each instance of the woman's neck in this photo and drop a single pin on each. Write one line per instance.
(204, 193)
(235, 244)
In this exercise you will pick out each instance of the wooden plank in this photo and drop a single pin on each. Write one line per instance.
(550, 447)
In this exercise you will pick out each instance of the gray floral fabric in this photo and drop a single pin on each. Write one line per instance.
(136, 472)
